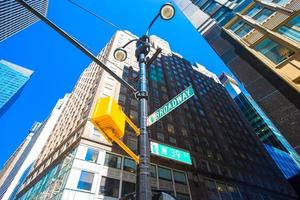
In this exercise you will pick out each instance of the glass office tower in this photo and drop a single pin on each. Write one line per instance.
(259, 42)
(280, 150)
(15, 18)
(12, 80)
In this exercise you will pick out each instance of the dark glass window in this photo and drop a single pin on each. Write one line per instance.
(263, 15)
(129, 165)
(112, 160)
(212, 8)
(127, 188)
(273, 50)
(179, 177)
(241, 28)
(153, 171)
(85, 181)
(259, 13)
(164, 173)
(180, 196)
(212, 190)
(222, 189)
(109, 187)
(291, 29)
(91, 155)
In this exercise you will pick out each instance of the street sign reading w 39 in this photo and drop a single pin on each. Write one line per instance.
(171, 105)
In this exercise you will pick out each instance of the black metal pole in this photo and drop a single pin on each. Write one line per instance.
(143, 186)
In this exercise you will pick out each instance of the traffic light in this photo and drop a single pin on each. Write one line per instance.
(108, 115)
(109, 118)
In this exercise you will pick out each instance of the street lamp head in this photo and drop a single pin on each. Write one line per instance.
(167, 11)
(120, 54)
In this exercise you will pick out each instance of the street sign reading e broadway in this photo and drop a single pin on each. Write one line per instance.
(171, 153)
(171, 105)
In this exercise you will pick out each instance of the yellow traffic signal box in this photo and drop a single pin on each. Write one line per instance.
(109, 115)
(109, 118)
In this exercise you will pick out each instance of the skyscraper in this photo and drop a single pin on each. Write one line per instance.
(14, 18)
(18, 166)
(260, 44)
(280, 150)
(12, 80)
(228, 160)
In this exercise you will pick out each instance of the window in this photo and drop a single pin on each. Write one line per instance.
(279, 2)
(179, 177)
(241, 28)
(211, 8)
(263, 15)
(212, 190)
(153, 171)
(221, 14)
(132, 144)
(171, 128)
(85, 181)
(109, 187)
(199, 4)
(184, 132)
(291, 29)
(129, 165)
(222, 189)
(273, 51)
(259, 13)
(254, 10)
(91, 155)
(112, 160)
(133, 115)
(127, 188)
(172, 140)
(164, 173)
(160, 136)
(180, 196)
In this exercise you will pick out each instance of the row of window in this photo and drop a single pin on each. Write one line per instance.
(110, 186)
(268, 47)
(115, 161)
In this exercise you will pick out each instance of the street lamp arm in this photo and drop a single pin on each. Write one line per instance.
(76, 43)
(152, 22)
(133, 40)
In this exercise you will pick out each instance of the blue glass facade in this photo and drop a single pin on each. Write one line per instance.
(12, 80)
(280, 150)
(284, 161)
(277, 146)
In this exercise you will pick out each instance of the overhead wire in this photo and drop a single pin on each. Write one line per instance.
(103, 19)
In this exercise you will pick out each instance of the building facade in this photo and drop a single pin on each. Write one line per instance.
(19, 165)
(14, 18)
(280, 150)
(284, 161)
(12, 80)
(78, 163)
(260, 45)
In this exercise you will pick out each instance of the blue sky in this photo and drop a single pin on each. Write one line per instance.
(57, 64)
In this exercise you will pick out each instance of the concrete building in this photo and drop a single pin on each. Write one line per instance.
(228, 160)
(279, 149)
(20, 163)
(260, 44)
(12, 80)
(14, 18)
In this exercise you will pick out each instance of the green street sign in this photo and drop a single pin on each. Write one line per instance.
(171, 153)
(171, 105)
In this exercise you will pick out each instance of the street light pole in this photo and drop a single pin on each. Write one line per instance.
(143, 186)
(143, 179)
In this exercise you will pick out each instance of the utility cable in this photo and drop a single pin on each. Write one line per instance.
(103, 19)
